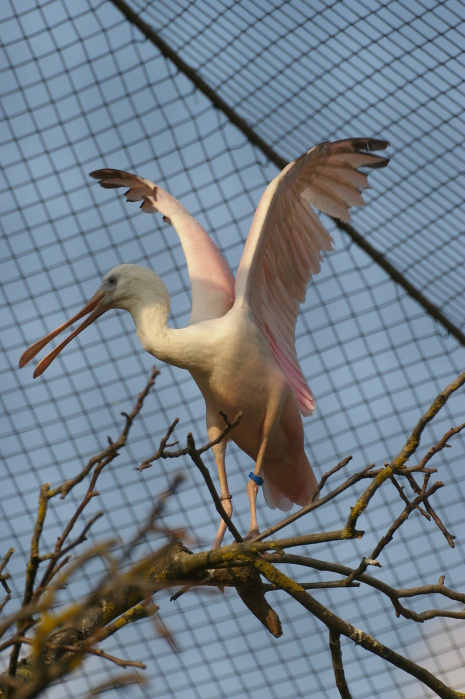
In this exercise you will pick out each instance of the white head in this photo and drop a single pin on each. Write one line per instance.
(129, 287)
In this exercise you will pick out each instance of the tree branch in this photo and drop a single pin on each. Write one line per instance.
(195, 454)
(408, 449)
(341, 627)
(338, 667)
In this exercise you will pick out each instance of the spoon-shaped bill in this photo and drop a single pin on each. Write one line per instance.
(92, 307)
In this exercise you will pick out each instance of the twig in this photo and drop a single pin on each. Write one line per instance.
(141, 610)
(31, 573)
(164, 632)
(387, 538)
(408, 449)
(330, 584)
(341, 627)
(409, 507)
(83, 535)
(163, 444)
(70, 648)
(102, 654)
(421, 468)
(432, 513)
(46, 494)
(400, 490)
(328, 475)
(392, 593)
(314, 505)
(442, 444)
(112, 449)
(116, 682)
(99, 461)
(157, 512)
(403, 471)
(161, 452)
(338, 667)
(4, 602)
(195, 454)
(5, 576)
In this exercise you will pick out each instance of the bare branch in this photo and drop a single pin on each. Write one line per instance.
(331, 584)
(116, 682)
(314, 505)
(394, 594)
(442, 444)
(63, 639)
(161, 449)
(328, 475)
(162, 453)
(338, 667)
(400, 490)
(408, 449)
(195, 454)
(92, 651)
(341, 627)
(112, 450)
(5, 576)
(432, 513)
(99, 461)
(387, 538)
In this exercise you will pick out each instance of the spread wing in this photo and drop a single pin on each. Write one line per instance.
(211, 280)
(286, 240)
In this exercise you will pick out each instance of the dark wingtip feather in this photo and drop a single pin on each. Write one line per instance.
(354, 145)
(103, 173)
(108, 173)
(369, 144)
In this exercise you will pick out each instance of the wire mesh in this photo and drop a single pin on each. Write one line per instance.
(82, 89)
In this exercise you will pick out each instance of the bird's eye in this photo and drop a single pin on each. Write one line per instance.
(112, 279)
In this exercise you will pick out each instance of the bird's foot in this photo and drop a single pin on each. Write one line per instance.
(251, 535)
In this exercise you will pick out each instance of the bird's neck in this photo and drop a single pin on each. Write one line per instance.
(157, 338)
(151, 320)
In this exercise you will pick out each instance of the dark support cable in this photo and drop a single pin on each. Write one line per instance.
(280, 162)
(399, 278)
(199, 82)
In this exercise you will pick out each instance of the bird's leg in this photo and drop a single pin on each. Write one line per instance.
(272, 416)
(252, 490)
(219, 451)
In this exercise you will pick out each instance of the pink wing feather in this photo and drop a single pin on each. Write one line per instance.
(286, 240)
(211, 280)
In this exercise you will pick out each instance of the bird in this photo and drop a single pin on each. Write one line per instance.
(239, 345)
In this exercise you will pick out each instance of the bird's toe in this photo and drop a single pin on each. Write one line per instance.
(251, 535)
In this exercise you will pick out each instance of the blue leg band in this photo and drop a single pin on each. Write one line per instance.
(256, 479)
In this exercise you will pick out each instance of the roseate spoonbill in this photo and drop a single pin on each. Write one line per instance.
(240, 343)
